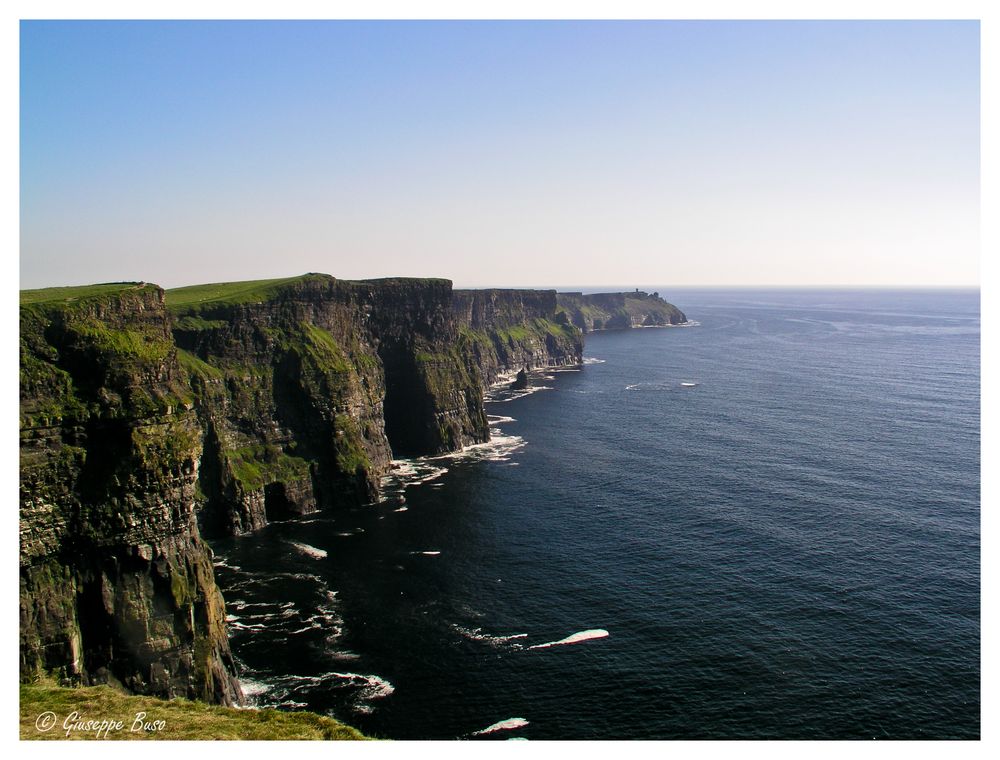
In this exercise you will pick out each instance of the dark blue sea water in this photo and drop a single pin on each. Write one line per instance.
(788, 547)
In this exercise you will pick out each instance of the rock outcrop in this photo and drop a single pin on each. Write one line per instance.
(615, 311)
(151, 419)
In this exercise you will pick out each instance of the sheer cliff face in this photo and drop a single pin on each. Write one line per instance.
(116, 584)
(307, 393)
(146, 421)
(503, 331)
(615, 311)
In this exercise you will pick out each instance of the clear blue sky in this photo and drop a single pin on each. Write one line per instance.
(590, 153)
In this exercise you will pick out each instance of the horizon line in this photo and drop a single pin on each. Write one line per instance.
(563, 287)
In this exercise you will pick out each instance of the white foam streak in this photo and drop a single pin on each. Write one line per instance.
(503, 725)
(477, 634)
(594, 633)
(309, 551)
(373, 687)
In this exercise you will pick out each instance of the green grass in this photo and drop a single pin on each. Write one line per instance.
(221, 293)
(191, 323)
(73, 294)
(257, 465)
(181, 719)
(144, 345)
(195, 366)
(322, 348)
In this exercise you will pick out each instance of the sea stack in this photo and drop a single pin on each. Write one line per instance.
(521, 381)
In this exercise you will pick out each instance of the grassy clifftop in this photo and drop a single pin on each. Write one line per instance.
(47, 712)
(218, 293)
(79, 293)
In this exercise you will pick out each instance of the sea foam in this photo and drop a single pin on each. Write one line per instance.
(309, 551)
(594, 633)
(503, 725)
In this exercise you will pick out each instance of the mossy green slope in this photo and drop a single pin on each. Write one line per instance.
(182, 719)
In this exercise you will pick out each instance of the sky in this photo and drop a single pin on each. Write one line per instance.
(501, 153)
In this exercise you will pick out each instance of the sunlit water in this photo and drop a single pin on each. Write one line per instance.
(766, 525)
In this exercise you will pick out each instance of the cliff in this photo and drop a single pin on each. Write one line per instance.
(503, 331)
(149, 419)
(116, 584)
(612, 311)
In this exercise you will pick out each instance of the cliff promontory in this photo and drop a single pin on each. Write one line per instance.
(615, 311)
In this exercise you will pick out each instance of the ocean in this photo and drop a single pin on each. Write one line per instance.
(764, 525)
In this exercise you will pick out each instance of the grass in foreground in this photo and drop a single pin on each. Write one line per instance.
(45, 705)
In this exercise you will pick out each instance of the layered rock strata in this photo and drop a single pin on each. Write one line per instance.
(116, 584)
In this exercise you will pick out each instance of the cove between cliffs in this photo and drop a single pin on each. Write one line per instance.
(153, 420)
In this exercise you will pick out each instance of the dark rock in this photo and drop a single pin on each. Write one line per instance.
(520, 382)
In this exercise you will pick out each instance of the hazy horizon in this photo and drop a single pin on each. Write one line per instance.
(616, 287)
(761, 154)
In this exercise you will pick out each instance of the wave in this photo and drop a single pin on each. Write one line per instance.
(477, 634)
(309, 551)
(278, 690)
(593, 360)
(503, 725)
(234, 623)
(296, 577)
(497, 449)
(653, 387)
(594, 633)
(372, 687)
(509, 395)
(252, 688)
